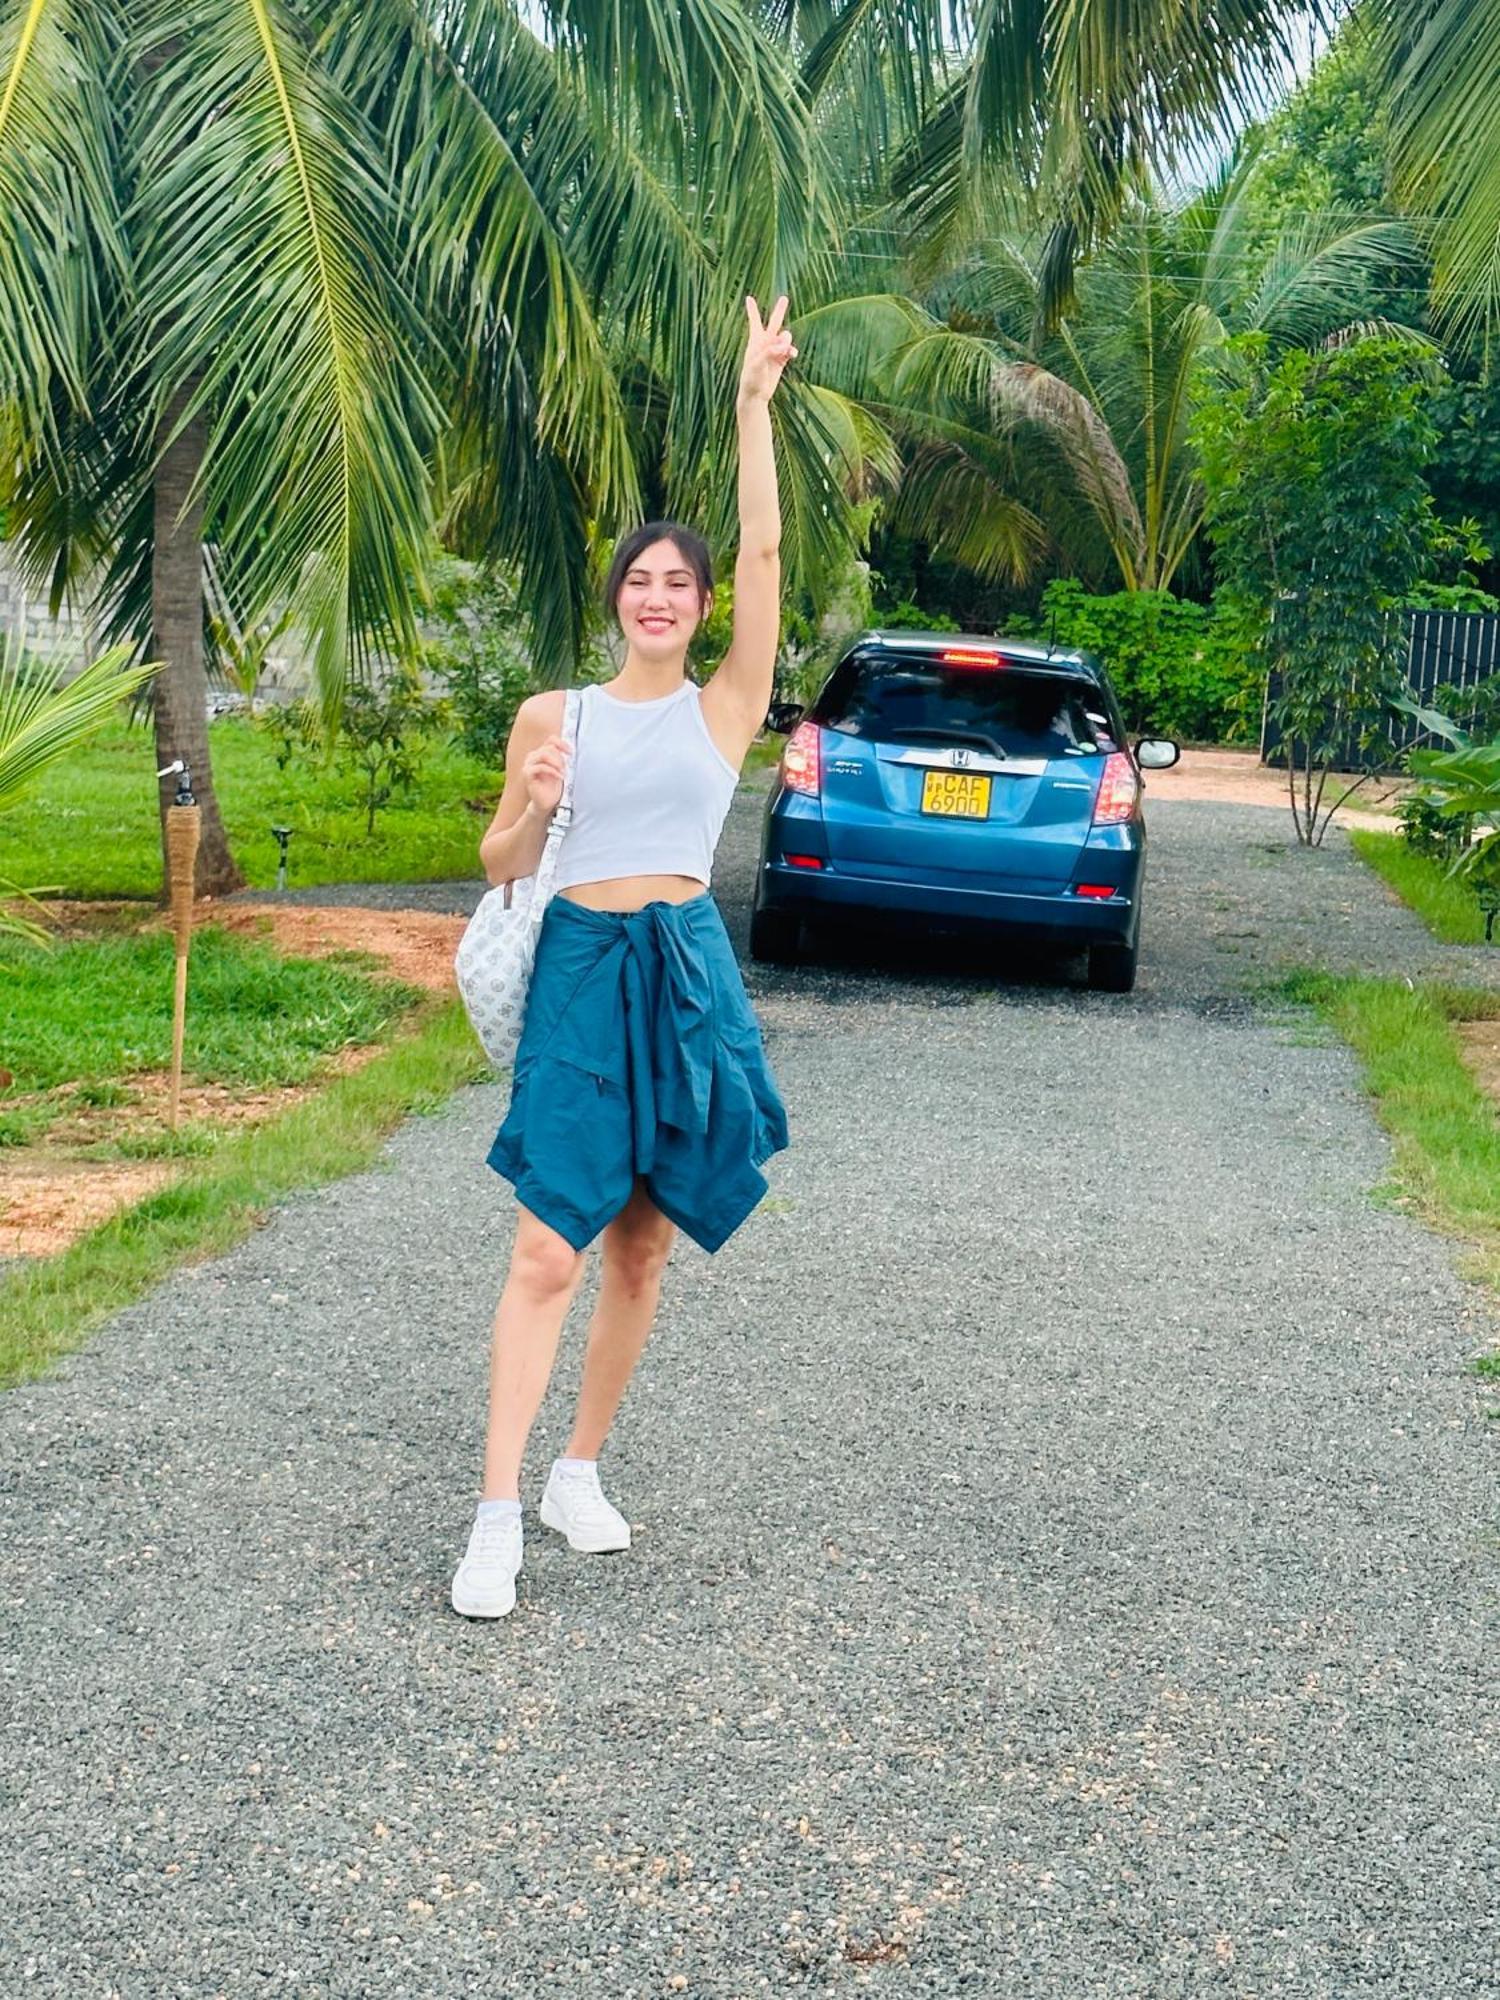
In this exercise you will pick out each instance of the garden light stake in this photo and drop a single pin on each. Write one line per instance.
(184, 824)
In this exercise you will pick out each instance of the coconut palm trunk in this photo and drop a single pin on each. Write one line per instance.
(181, 692)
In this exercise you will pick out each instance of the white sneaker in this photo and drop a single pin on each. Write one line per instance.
(575, 1505)
(484, 1584)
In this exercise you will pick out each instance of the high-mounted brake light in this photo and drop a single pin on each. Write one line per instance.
(1119, 788)
(802, 760)
(970, 656)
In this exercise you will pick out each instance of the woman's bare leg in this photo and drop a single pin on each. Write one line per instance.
(636, 1247)
(544, 1274)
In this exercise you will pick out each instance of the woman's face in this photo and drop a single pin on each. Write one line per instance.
(659, 607)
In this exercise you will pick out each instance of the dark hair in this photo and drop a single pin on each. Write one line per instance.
(691, 545)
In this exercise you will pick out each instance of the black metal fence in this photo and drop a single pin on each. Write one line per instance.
(1444, 649)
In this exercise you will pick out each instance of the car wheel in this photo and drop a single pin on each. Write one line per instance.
(775, 937)
(1112, 967)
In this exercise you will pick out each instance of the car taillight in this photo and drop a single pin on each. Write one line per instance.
(801, 761)
(1119, 789)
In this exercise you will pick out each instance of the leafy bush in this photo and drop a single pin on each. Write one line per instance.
(1428, 829)
(1473, 710)
(479, 656)
(385, 733)
(292, 729)
(1462, 786)
(1177, 666)
(1463, 596)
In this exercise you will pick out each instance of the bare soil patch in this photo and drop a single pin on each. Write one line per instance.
(1237, 777)
(417, 946)
(46, 1203)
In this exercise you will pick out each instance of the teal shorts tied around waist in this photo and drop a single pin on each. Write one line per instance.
(639, 1056)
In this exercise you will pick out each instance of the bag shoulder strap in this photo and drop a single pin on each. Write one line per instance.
(572, 715)
(546, 868)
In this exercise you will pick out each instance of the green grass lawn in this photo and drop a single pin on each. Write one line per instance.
(50, 1307)
(1445, 1129)
(90, 827)
(1447, 905)
(94, 1010)
(79, 1022)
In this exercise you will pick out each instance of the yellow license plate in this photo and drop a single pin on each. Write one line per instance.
(956, 794)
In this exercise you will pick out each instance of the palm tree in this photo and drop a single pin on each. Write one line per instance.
(302, 277)
(1019, 442)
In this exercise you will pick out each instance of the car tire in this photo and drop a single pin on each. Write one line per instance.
(1112, 967)
(775, 937)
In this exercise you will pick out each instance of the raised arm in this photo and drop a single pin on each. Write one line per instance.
(738, 695)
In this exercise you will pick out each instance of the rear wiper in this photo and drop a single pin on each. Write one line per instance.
(962, 737)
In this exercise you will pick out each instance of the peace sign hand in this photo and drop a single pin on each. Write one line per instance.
(767, 351)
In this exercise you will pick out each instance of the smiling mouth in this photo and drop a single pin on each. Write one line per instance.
(657, 624)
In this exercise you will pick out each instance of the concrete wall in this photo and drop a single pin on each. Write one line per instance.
(24, 615)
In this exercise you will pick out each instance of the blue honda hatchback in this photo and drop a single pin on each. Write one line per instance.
(945, 780)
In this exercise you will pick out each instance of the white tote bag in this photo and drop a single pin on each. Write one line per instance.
(496, 952)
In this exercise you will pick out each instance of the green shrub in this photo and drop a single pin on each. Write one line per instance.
(479, 656)
(909, 617)
(385, 734)
(292, 729)
(1428, 829)
(1463, 596)
(1174, 664)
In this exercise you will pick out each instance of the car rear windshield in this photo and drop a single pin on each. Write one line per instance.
(1012, 710)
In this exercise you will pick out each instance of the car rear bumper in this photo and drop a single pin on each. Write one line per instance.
(1058, 917)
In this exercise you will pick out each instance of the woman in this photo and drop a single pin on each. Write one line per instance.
(641, 1102)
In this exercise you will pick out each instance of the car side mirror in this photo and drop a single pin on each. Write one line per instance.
(1156, 753)
(783, 717)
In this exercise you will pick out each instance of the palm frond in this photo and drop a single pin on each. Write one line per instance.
(508, 499)
(951, 372)
(852, 344)
(493, 142)
(268, 290)
(60, 238)
(1078, 100)
(702, 79)
(948, 498)
(1302, 293)
(1442, 61)
(868, 457)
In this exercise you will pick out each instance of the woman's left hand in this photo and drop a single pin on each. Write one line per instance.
(767, 351)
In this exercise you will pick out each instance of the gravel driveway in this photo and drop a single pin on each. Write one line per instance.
(1065, 1565)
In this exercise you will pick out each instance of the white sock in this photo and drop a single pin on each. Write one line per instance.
(499, 1510)
(578, 1465)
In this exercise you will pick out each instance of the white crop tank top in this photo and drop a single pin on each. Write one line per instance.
(651, 790)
